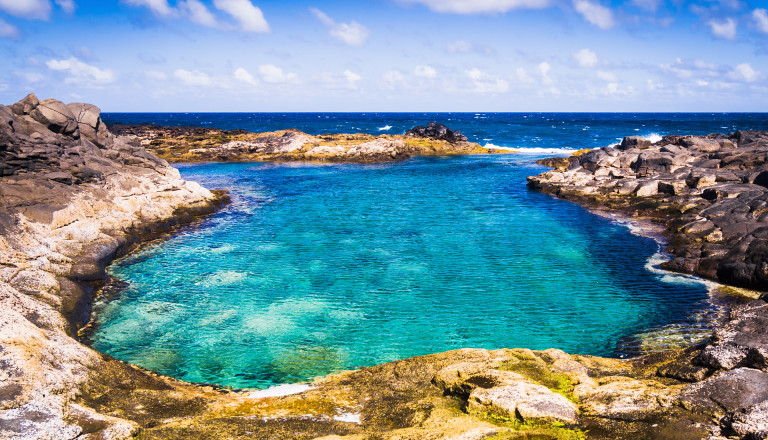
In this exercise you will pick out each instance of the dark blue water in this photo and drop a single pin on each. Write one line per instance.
(569, 131)
(319, 268)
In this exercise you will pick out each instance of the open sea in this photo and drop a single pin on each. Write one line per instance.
(319, 268)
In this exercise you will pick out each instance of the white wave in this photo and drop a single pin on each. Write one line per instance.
(532, 150)
(653, 137)
(385, 128)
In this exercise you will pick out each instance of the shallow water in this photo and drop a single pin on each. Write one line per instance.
(314, 269)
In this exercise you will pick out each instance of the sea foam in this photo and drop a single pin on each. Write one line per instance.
(532, 150)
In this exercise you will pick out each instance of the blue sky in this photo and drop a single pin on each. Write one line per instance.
(388, 55)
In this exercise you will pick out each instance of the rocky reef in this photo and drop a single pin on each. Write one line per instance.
(710, 193)
(195, 144)
(74, 195)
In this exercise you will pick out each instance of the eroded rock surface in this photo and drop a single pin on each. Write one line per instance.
(71, 194)
(711, 194)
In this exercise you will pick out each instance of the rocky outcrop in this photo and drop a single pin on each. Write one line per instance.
(193, 144)
(711, 194)
(435, 130)
(71, 196)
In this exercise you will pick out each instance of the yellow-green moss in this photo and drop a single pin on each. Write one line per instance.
(538, 371)
(529, 430)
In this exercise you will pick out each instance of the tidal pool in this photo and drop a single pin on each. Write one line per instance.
(314, 269)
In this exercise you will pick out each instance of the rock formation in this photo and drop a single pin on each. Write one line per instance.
(711, 194)
(73, 195)
(193, 144)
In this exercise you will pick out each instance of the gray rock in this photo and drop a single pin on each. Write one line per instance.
(638, 142)
(26, 105)
(532, 402)
(89, 122)
(56, 116)
(750, 420)
(730, 391)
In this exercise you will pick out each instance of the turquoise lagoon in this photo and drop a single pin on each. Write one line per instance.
(319, 268)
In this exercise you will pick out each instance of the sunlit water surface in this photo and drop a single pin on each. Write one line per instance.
(314, 269)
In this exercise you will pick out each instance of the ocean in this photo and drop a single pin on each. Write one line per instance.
(318, 268)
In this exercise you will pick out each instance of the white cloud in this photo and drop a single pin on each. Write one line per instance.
(761, 19)
(544, 69)
(649, 5)
(8, 30)
(158, 7)
(586, 58)
(33, 9)
(197, 13)
(595, 13)
(352, 33)
(249, 17)
(347, 80)
(67, 6)
(392, 79)
(275, 75)
(480, 6)
(192, 78)
(723, 29)
(459, 46)
(81, 73)
(352, 77)
(523, 77)
(744, 72)
(484, 83)
(607, 76)
(425, 71)
(244, 76)
(154, 74)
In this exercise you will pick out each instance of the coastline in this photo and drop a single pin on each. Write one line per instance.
(53, 386)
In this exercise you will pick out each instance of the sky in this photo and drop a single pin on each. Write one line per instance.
(388, 55)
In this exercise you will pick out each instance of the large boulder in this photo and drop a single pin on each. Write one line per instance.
(638, 142)
(434, 130)
(56, 116)
(26, 105)
(89, 122)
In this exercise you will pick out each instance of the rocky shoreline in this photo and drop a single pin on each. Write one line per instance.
(197, 144)
(73, 196)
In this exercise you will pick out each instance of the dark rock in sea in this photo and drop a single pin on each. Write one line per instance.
(435, 130)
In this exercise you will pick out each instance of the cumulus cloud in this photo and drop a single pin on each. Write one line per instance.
(480, 6)
(243, 75)
(586, 58)
(425, 71)
(192, 78)
(197, 13)
(81, 73)
(8, 30)
(352, 33)
(744, 72)
(723, 29)
(485, 83)
(761, 19)
(33, 9)
(523, 77)
(160, 8)
(275, 75)
(595, 13)
(347, 80)
(249, 17)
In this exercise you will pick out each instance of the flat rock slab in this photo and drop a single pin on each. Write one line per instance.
(734, 390)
